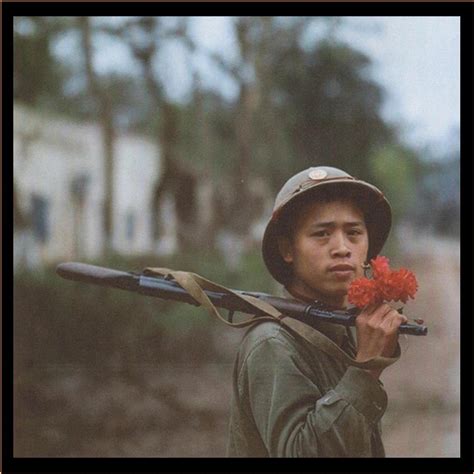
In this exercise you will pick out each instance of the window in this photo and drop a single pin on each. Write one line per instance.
(130, 226)
(40, 217)
(79, 186)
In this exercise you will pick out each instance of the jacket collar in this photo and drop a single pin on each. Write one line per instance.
(336, 332)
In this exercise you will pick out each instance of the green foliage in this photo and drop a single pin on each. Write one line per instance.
(331, 106)
(38, 76)
(394, 170)
(206, 134)
(315, 104)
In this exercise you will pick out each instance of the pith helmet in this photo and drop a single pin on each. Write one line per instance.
(309, 184)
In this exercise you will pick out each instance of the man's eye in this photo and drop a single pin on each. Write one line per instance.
(355, 232)
(321, 233)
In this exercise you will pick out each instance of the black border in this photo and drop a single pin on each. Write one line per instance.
(465, 463)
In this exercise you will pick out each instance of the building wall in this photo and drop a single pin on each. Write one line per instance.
(55, 156)
(135, 175)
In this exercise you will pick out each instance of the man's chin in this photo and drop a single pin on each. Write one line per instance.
(334, 293)
(341, 288)
(338, 293)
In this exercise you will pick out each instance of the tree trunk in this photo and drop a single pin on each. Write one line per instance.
(175, 179)
(209, 225)
(106, 123)
(246, 107)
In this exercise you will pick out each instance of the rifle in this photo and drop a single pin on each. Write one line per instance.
(168, 289)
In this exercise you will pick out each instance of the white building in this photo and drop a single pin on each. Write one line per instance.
(59, 185)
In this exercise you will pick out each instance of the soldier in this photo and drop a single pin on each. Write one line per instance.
(291, 398)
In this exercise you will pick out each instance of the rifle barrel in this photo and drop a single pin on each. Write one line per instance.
(95, 275)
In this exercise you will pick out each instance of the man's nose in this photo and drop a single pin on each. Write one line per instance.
(340, 247)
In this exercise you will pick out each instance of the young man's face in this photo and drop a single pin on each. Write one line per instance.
(326, 251)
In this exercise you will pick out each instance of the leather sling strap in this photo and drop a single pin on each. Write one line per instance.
(195, 285)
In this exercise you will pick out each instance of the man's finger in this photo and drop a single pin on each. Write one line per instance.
(393, 320)
(380, 314)
(367, 311)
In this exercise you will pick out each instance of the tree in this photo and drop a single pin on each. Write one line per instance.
(256, 129)
(145, 36)
(37, 75)
(394, 169)
(106, 121)
(301, 101)
(332, 106)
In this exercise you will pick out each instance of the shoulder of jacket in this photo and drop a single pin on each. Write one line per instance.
(266, 331)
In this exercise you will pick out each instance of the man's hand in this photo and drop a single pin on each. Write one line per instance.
(377, 333)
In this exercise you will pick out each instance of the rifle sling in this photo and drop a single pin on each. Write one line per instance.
(195, 285)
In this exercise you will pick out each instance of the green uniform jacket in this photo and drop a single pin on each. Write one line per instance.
(290, 399)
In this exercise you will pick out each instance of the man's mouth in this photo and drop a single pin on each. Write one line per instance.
(342, 270)
(342, 267)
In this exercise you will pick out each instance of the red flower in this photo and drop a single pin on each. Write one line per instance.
(387, 285)
(407, 283)
(363, 292)
(379, 266)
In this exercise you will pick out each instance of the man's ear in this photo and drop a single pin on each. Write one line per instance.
(284, 247)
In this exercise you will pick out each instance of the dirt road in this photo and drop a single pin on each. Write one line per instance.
(424, 386)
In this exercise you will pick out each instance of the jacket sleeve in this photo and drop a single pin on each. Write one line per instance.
(294, 418)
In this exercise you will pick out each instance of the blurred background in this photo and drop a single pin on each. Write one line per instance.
(149, 141)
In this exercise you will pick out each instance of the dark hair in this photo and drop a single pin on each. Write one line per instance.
(294, 209)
